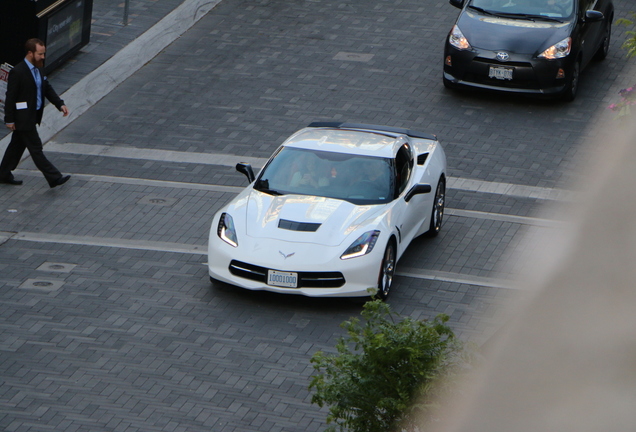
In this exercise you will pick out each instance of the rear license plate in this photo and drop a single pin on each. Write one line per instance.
(282, 279)
(500, 72)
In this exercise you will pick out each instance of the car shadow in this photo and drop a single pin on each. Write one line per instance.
(474, 95)
(272, 300)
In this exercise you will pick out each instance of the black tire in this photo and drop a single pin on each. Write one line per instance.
(437, 214)
(603, 50)
(573, 82)
(387, 271)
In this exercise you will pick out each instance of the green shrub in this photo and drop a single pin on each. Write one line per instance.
(630, 41)
(387, 370)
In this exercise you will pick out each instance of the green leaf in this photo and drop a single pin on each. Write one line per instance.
(383, 364)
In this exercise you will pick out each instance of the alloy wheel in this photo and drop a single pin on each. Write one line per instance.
(437, 216)
(387, 271)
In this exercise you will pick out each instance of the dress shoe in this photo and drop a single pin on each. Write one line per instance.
(60, 181)
(11, 181)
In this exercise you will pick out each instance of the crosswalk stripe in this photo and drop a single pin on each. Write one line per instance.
(223, 159)
(201, 250)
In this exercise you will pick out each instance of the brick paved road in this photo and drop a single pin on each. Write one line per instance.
(108, 321)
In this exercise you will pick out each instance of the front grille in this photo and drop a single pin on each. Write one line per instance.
(498, 63)
(305, 279)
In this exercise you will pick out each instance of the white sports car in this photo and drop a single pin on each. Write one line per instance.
(331, 212)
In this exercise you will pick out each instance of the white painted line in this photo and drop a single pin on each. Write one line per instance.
(523, 220)
(4, 236)
(153, 154)
(455, 278)
(224, 159)
(112, 242)
(508, 189)
(202, 250)
(160, 183)
(144, 182)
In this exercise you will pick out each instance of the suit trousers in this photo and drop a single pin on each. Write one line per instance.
(29, 139)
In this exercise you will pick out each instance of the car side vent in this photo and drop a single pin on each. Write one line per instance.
(422, 158)
(298, 226)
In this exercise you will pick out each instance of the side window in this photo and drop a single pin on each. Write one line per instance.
(403, 167)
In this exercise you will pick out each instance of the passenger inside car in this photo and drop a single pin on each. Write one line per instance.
(310, 172)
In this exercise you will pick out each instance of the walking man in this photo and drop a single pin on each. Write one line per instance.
(24, 105)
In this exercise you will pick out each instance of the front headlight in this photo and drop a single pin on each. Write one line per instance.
(362, 246)
(558, 50)
(226, 230)
(457, 39)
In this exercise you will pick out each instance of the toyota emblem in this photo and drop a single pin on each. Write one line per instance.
(503, 56)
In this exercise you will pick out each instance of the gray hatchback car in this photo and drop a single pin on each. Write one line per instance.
(526, 46)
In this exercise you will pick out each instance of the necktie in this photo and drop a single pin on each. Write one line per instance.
(38, 84)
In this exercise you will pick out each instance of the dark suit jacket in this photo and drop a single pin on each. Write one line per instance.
(21, 88)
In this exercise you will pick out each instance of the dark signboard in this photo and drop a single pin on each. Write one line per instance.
(63, 25)
(65, 29)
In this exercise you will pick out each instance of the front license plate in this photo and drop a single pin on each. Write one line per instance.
(282, 279)
(500, 73)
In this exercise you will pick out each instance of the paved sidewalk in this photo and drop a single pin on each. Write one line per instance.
(108, 320)
(111, 55)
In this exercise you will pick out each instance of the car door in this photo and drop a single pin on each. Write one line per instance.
(408, 216)
(590, 31)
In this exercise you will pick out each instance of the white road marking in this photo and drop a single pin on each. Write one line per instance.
(509, 189)
(222, 159)
(455, 278)
(523, 220)
(201, 250)
(218, 159)
(153, 154)
(110, 242)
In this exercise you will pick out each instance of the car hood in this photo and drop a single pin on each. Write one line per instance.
(307, 219)
(512, 35)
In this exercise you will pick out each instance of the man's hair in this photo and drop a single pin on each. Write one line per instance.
(31, 44)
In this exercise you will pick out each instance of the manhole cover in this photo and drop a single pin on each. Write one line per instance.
(157, 200)
(57, 267)
(348, 56)
(42, 284)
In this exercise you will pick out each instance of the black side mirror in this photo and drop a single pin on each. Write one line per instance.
(593, 16)
(416, 190)
(457, 3)
(246, 169)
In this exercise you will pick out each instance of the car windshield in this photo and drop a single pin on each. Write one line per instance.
(526, 8)
(361, 180)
